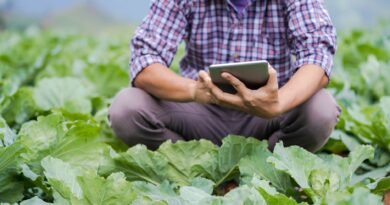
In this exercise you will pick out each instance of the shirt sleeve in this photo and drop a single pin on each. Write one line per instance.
(311, 34)
(157, 38)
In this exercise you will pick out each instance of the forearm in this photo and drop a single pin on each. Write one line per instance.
(308, 80)
(165, 84)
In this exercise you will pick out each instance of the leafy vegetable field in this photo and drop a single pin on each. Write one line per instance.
(56, 146)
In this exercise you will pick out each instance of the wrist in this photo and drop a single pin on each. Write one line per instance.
(283, 101)
(191, 91)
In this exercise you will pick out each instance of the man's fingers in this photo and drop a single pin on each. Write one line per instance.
(237, 84)
(223, 98)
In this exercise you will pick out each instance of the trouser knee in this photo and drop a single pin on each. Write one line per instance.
(311, 124)
(129, 114)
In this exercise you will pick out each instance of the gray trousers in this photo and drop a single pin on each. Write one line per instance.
(139, 118)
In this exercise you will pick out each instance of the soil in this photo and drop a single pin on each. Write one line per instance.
(387, 198)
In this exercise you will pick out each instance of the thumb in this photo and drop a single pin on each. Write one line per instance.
(203, 76)
(205, 79)
(272, 79)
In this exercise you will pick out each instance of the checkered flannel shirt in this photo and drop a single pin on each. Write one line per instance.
(287, 33)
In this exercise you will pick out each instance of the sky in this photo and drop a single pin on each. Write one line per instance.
(125, 10)
(345, 13)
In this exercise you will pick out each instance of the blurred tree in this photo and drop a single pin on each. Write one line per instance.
(2, 24)
(4, 5)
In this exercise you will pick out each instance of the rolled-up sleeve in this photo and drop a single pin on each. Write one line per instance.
(157, 38)
(312, 36)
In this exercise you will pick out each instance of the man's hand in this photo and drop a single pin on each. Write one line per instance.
(263, 102)
(200, 91)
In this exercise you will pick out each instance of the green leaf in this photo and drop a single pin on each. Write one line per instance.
(233, 149)
(257, 164)
(80, 147)
(73, 141)
(346, 140)
(204, 184)
(270, 195)
(34, 201)
(370, 123)
(381, 185)
(19, 107)
(7, 136)
(319, 175)
(152, 194)
(384, 105)
(357, 156)
(87, 188)
(184, 157)
(183, 161)
(295, 161)
(59, 200)
(99, 191)
(244, 195)
(11, 187)
(68, 93)
(41, 134)
(138, 163)
(62, 177)
(224, 165)
(240, 195)
(27, 172)
(376, 76)
(360, 196)
(102, 76)
(193, 195)
(334, 144)
(345, 167)
(375, 174)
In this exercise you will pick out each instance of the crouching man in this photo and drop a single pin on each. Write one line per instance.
(297, 38)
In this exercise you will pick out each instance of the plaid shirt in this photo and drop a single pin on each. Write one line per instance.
(287, 33)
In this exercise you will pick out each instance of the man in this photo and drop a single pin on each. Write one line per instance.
(296, 37)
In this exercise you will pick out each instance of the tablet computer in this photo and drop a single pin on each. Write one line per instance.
(253, 74)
